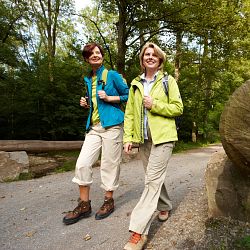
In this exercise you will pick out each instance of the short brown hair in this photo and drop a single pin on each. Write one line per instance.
(87, 50)
(161, 54)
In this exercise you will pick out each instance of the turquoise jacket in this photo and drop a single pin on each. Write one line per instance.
(161, 117)
(110, 113)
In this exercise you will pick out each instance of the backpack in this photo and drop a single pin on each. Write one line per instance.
(104, 81)
(165, 87)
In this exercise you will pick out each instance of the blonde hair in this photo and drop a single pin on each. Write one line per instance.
(161, 54)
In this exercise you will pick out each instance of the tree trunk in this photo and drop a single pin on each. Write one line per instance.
(121, 38)
(50, 43)
(235, 128)
(178, 55)
(194, 130)
(50, 21)
(36, 146)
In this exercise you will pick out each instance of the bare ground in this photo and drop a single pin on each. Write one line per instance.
(190, 228)
(31, 212)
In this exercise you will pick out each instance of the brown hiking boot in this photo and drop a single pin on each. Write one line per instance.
(83, 210)
(106, 209)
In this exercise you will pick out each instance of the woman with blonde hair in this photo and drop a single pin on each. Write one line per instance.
(150, 121)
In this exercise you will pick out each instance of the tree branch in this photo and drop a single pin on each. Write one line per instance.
(100, 33)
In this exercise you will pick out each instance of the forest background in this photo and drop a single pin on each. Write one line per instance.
(41, 67)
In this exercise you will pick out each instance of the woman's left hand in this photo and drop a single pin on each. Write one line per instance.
(148, 102)
(102, 95)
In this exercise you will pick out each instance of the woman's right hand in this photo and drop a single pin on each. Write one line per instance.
(127, 147)
(83, 102)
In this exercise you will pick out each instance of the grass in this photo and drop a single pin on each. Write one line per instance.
(66, 166)
(21, 177)
(181, 146)
(226, 233)
(68, 160)
(25, 176)
(243, 243)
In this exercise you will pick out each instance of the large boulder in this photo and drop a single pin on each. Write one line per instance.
(235, 128)
(228, 191)
(12, 164)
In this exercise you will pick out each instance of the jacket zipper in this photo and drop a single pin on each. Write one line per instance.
(142, 123)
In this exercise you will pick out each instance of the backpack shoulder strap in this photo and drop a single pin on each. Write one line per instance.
(165, 83)
(165, 87)
(105, 76)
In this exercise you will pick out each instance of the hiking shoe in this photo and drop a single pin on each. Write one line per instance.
(106, 209)
(136, 242)
(83, 210)
(163, 215)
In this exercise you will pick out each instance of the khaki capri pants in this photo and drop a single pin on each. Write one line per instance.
(108, 143)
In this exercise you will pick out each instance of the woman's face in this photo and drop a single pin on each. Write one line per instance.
(150, 60)
(96, 59)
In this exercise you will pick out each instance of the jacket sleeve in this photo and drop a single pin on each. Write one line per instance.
(129, 118)
(121, 86)
(174, 106)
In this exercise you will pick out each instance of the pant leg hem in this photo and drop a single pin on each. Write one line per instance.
(139, 231)
(81, 183)
(164, 208)
(109, 188)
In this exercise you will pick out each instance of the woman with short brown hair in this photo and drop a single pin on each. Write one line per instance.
(106, 90)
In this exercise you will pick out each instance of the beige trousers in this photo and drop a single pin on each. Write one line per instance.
(154, 196)
(108, 143)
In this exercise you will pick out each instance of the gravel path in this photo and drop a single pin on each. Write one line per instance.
(32, 211)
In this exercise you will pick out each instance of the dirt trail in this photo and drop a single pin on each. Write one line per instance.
(32, 211)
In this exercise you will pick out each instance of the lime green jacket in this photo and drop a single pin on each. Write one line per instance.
(161, 117)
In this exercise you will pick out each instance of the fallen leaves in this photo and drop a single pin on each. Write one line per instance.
(87, 237)
(30, 234)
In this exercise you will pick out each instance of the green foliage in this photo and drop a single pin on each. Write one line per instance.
(228, 233)
(181, 146)
(41, 81)
(33, 107)
(243, 243)
(25, 176)
(67, 166)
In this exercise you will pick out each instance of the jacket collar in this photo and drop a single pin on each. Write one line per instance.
(98, 74)
(139, 79)
(99, 71)
(143, 76)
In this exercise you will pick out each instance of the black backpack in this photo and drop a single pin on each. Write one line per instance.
(165, 87)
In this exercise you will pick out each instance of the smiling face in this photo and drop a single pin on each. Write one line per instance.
(96, 58)
(151, 60)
